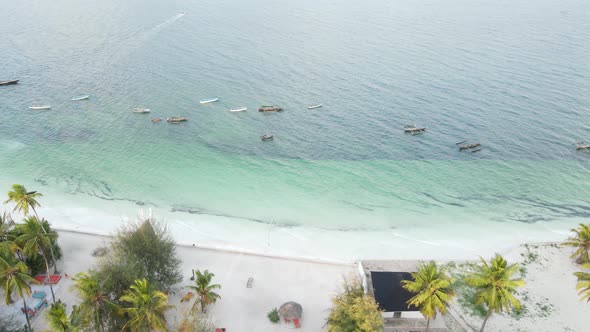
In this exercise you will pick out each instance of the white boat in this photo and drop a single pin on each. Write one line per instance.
(310, 107)
(141, 110)
(207, 101)
(40, 107)
(239, 109)
(81, 97)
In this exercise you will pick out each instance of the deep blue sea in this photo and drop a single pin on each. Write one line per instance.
(339, 181)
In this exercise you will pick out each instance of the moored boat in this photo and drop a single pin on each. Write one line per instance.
(310, 107)
(80, 97)
(269, 109)
(176, 119)
(141, 110)
(207, 101)
(238, 109)
(266, 137)
(414, 130)
(582, 146)
(8, 82)
(156, 120)
(40, 107)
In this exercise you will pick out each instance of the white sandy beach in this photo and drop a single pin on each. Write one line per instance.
(549, 296)
(276, 280)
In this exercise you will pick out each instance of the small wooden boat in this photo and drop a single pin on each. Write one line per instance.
(414, 130)
(467, 146)
(154, 120)
(265, 138)
(80, 97)
(40, 107)
(207, 101)
(582, 146)
(141, 110)
(176, 119)
(239, 109)
(269, 109)
(8, 82)
(475, 150)
(310, 107)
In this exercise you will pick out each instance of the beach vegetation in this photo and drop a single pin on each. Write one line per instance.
(23, 200)
(433, 290)
(273, 316)
(495, 286)
(96, 307)
(34, 240)
(9, 323)
(583, 285)
(150, 251)
(15, 279)
(580, 241)
(194, 322)
(145, 307)
(203, 290)
(353, 310)
(59, 321)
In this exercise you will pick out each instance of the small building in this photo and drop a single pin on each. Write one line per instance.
(382, 280)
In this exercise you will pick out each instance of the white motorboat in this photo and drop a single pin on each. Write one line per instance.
(207, 101)
(310, 107)
(80, 97)
(141, 110)
(40, 107)
(239, 109)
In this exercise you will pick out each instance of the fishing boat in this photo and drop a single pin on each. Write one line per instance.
(176, 119)
(310, 107)
(40, 107)
(269, 109)
(8, 82)
(414, 130)
(141, 110)
(582, 146)
(467, 146)
(265, 138)
(239, 109)
(208, 101)
(154, 120)
(80, 97)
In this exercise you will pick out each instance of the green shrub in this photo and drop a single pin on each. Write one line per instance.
(273, 316)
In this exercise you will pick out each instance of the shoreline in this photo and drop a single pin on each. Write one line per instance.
(224, 250)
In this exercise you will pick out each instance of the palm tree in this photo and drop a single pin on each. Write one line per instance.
(24, 200)
(15, 278)
(146, 307)
(59, 321)
(432, 288)
(581, 241)
(495, 286)
(583, 283)
(204, 290)
(33, 240)
(95, 303)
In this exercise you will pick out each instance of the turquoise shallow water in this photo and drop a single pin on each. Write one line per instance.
(513, 75)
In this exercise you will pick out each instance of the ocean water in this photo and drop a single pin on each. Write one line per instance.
(340, 181)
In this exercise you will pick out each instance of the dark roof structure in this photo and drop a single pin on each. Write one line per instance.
(389, 293)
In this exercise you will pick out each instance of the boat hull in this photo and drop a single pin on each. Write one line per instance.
(39, 108)
(311, 107)
(80, 97)
(9, 82)
(241, 109)
(208, 101)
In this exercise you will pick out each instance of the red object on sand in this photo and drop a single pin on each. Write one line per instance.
(53, 279)
(296, 322)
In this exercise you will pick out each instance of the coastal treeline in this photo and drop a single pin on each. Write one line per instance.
(127, 290)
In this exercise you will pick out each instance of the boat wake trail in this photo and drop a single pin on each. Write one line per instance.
(155, 29)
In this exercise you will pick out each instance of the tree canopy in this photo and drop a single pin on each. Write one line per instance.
(353, 310)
